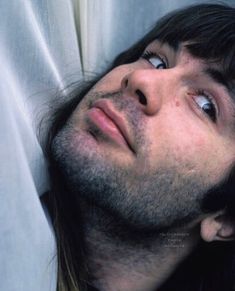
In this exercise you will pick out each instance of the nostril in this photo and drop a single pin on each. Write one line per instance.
(126, 83)
(142, 98)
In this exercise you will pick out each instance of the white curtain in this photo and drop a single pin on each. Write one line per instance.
(44, 46)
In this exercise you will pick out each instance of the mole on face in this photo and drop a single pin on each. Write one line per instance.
(177, 103)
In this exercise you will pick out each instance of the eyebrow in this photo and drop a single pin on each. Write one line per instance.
(219, 78)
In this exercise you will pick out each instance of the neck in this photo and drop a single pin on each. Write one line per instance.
(120, 259)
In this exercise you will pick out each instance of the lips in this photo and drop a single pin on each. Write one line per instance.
(109, 122)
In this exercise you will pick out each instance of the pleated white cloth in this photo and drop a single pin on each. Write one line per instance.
(44, 46)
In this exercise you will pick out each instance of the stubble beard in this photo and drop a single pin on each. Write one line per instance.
(145, 202)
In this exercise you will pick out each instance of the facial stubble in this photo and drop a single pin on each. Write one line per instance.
(147, 201)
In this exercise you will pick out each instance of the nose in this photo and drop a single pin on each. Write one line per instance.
(145, 87)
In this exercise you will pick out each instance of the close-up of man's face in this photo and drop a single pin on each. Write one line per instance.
(150, 139)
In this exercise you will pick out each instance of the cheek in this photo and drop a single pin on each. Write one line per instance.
(191, 144)
(188, 136)
(110, 83)
(182, 145)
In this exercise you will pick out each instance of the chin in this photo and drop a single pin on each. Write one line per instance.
(141, 202)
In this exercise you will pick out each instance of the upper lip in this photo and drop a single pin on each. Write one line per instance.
(106, 107)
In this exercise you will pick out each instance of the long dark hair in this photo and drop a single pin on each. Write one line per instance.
(209, 31)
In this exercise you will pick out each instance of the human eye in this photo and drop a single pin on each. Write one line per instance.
(207, 104)
(155, 60)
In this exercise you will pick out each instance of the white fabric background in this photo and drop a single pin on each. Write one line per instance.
(44, 46)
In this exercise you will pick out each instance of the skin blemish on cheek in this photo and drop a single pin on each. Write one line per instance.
(177, 103)
(200, 143)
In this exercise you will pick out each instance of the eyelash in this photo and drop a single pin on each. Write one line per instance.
(149, 54)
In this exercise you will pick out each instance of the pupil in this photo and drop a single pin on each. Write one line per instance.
(161, 66)
(210, 110)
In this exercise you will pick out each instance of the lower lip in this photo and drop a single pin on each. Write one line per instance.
(107, 126)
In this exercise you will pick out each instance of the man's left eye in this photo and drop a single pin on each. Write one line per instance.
(206, 104)
(155, 60)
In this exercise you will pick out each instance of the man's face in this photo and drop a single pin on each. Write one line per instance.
(150, 139)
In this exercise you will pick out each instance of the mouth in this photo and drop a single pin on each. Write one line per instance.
(109, 122)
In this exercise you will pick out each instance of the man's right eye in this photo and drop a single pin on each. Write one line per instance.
(155, 60)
